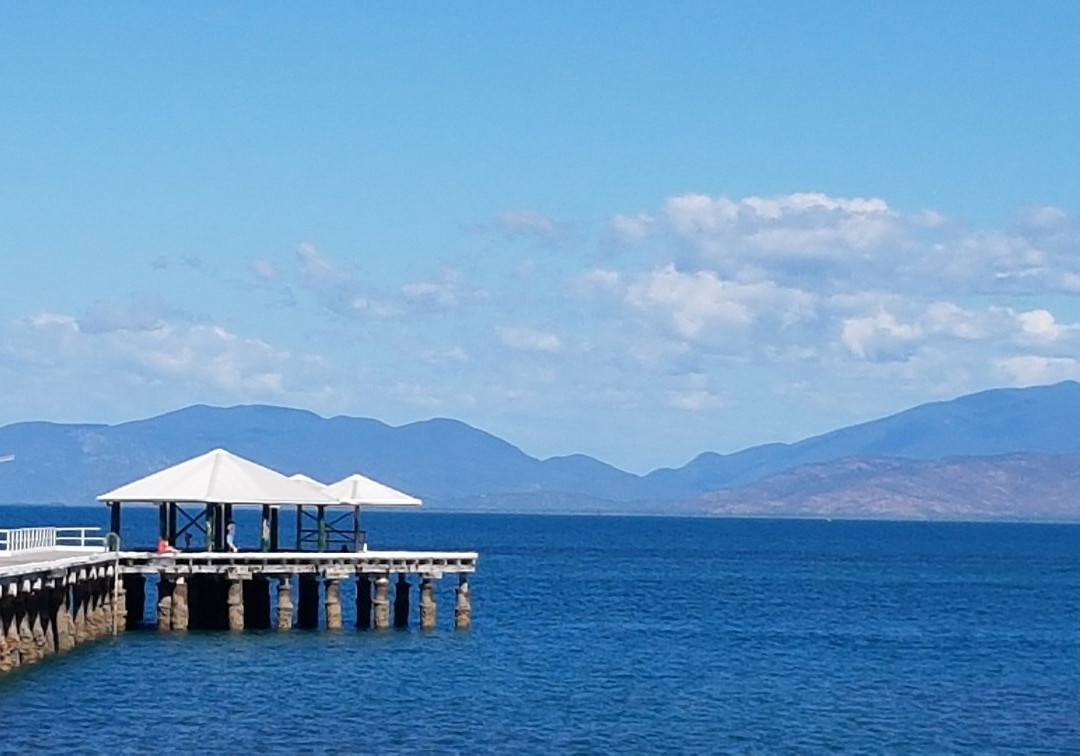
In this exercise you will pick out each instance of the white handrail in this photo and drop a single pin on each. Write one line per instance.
(79, 537)
(42, 539)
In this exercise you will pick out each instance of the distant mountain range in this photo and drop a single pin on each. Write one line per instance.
(1006, 453)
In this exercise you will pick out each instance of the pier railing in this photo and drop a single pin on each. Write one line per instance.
(22, 540)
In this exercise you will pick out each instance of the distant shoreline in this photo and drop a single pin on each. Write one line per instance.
(657, 515)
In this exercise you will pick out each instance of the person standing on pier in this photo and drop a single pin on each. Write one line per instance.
(230, 536)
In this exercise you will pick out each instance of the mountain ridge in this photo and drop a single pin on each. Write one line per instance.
(450, 463)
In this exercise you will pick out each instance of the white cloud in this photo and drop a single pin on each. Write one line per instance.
(879, 337)
(373, 307)
(832, 244)
(417, 394)
(847, 282)
(529, 339)
(597, 281)
(691, 301)
(444, 356)
(632, 229)
(1039, 325)
(528, 222)
(441, 294)
(950, 319)
(797, 225)
(698, 301)
(1030, 369)
(263, 269)
(142, 312)
(200, 357)
(337, 288)
(448, 292)
(1045, 219)
(695, 400)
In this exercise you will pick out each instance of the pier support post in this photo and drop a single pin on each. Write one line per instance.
(9, 635)
(134, 599)
(105, 599)
(89, 602)
(27, 648)
(308, 614)
(381, 604)
(80, 596)
(284, 603)
(39, 613)
(463, 606)
(118, 605)
(332, 602)
(236, 603)
(95, 610)
(181, 613)
(363, 601)
(65, 625)
(427, 603)
(401, 601)
(164, 604)
(55, 599)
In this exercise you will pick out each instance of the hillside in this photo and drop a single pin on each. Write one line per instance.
(1015, 486)
(878, 468)
(1040, 419)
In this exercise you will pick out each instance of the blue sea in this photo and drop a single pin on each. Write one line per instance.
(617, 635)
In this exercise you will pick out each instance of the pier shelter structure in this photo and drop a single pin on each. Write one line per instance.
(197, 496)
(354, 492)
(209, 584)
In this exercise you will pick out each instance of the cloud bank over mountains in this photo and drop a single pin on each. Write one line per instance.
(810, 276)
(713, 322)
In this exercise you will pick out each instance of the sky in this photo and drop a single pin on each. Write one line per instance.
(632, 230)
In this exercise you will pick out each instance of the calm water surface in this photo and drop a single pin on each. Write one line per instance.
(628, 635)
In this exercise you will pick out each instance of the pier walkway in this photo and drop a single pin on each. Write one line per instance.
(54, 595)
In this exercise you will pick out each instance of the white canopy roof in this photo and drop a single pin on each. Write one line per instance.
(356, 489)
(307, 479)
(219, 477)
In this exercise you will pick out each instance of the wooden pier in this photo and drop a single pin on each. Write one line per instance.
(237, 591)
(61, 588)
(53, 597)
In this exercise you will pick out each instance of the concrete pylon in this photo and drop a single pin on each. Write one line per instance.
(80, 596)
(164, 604)
(96, 622)
(118, 607)
(332, 603)
(236, 604)
(427, 603)
(180, 611)
(9, 635)
(65, 625)
(381, 604)
(463, 605)
(39, 624)
(27, 647)
(284, 603)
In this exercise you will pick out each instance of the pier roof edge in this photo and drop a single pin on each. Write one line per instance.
(219, 477)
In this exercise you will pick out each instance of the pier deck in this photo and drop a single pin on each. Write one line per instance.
(21, 565)
(55, 596)
(425, 563)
